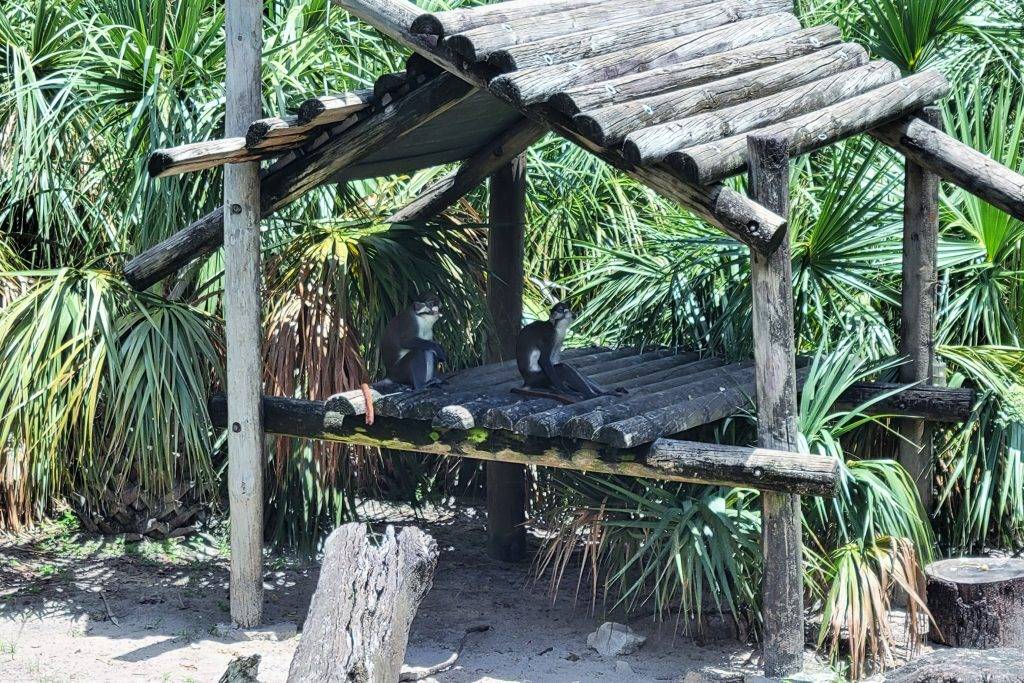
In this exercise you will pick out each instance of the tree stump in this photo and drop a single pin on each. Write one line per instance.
(977, 602)
(364, 604)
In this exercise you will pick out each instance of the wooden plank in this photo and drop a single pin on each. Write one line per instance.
(445, 192)
(693, 72)
(631, 34)
(651, 145)
(925, 401)
(918, 318)
(609, 125)
(478, 44)
(309, 419)
(771, 279)
(281, 185)
(718, 160)
(760, 468)
(199, 156)
(533, 86)
(506, 482)
(243, 331)
(953, 161)
(446, 23)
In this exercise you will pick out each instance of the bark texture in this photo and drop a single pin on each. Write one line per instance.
(977, 602)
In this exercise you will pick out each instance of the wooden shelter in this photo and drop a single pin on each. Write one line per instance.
(679, 94)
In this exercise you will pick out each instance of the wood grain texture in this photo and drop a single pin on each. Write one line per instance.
(310, 419)
(693, 72)
(932, 403)
(449, 189)
(977, 602)
(775, 363)
(242, 316)
(715, 161)
(446, 23)
(366, 597)
(654, 144)
(319, 111)
(609, 125)
(918, 319)
(953, 161)
(506, 482)
(533, 86)
(630, 34)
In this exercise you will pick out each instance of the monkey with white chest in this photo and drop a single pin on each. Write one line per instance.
(538, 355)
(408, 349)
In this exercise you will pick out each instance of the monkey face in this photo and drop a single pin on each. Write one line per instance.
(427, 306)
(561, 312)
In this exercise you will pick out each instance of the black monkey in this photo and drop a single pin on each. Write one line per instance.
(408, 348)
(538, 355)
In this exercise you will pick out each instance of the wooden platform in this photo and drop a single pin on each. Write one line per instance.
(669, 393)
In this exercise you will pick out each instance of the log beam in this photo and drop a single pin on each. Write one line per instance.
(927, 402)
(810, 474)
(775, 364)
(283, 184)
(445, 192)
(506, 482)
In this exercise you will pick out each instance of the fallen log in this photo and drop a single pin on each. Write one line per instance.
(977, 602)
(365, 600)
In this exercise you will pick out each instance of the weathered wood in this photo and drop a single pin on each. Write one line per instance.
(479, 43)
(506, 482)
(932, 403)
(417, 65)
(242, 319)
(309, 419)
(449, 22)
(199, 156)
(952, 160)
(320, 111)
(242, 670)
(651, 145)
(366, 597)
(760, 468)
(717, 160)
(631, 34)
(918, 320)
(280, 186)
(771, 279)
(533, 86)
(609, 125)
(693, 72)
(275, 129)
(977, 602)
(445, 192)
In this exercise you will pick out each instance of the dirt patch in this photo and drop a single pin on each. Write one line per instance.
(75, 608)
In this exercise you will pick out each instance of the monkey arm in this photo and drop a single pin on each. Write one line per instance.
(428, 345)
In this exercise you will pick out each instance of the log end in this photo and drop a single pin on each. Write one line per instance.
(685, 165)
(503, 61)
(388, 83)
(495, 418)
(427, 25)
(564, 103)
(631, 152)
(462, 46)
(592, 129)
(159, 163)
(580, 427)
(536, 425)
(256, 133)
(505, 88)
(454, 417)
(310, 109)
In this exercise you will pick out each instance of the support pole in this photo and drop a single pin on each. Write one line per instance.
(244, 30)
(506, 482)
(917, 316)
(775, 360)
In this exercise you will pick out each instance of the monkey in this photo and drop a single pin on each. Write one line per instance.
(408, 348)
(538, 355)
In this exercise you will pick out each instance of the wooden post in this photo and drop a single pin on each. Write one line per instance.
(775, 358)
(244, 30)
(506, 482)
(917, 317)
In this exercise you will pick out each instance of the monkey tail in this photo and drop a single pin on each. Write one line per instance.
(368, 398)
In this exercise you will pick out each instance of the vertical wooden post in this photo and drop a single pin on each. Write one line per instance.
(917, 316)
(775, 360)
(244, 31)
(506, 482)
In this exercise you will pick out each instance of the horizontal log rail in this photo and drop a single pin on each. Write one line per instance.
(928, 402)
(668, 460)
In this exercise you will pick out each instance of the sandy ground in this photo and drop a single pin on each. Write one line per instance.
(78, 609)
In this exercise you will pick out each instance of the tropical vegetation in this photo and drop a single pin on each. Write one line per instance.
(103, 389)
